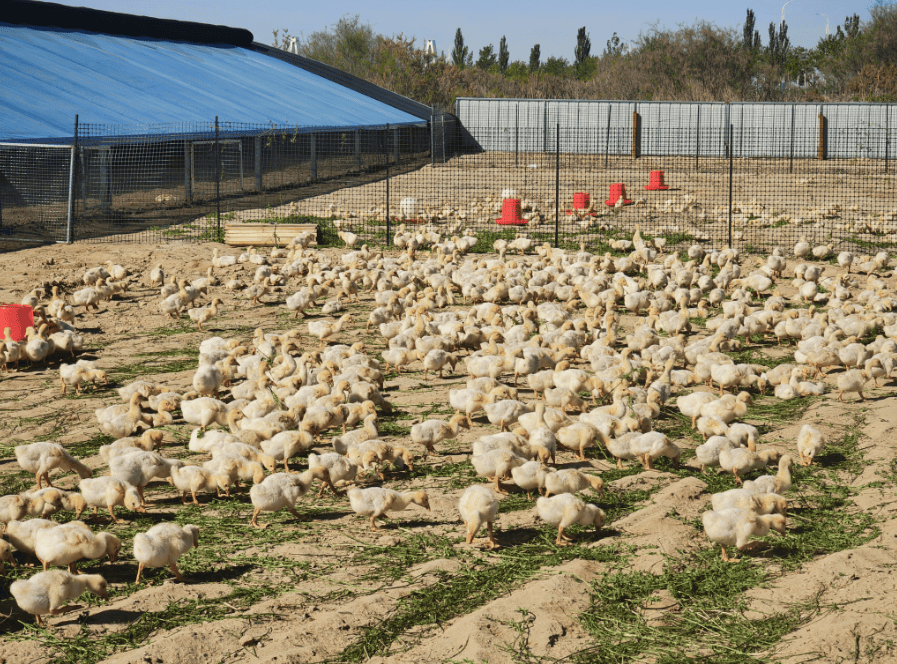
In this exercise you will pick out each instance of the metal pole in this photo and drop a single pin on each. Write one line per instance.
(396, 146)
(730, 185)
(557, 184)
(217, 179)
(68, 224)
(258, 163)
(607, 135)
(697, 136)
(70, 217)
(517, 135)
(188, 173)
(313, 163)
(388, 238)
(887, 135)
(791, 156)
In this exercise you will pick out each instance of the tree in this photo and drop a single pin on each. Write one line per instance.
(556, 66)
(487, 58)
(534, 58)
(460, 54)
(614, 47)
(350, 44)
(583, 47)
(503, 55)
(751, 37)
(777, 49)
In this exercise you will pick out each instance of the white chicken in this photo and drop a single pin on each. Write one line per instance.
(735, 526)
(164, 544)
(565, 510)
(72, 542)
(282, 491)
(41, 458)
(478, 505)
(47, 592)
(374, 502)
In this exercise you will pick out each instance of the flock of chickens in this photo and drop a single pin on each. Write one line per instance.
(552, 322)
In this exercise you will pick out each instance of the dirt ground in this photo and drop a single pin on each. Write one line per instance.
(648, 587)
(850, 204)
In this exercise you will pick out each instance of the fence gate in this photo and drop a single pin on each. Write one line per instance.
(35, 192)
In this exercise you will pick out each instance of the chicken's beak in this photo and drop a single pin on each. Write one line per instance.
(141, 509)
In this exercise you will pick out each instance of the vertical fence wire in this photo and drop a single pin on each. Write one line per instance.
(217, 179)
(557, 185)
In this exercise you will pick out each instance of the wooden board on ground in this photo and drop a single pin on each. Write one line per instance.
(266, 235)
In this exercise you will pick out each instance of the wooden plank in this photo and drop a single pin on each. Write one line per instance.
(262, 235)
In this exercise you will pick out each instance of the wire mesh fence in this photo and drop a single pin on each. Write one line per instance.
(570, 186)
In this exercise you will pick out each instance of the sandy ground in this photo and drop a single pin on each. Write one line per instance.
(648, 585)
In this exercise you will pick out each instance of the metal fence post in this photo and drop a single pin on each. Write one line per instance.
(607, 135)
(791, 155)
(887, 135)
(258, 163)
(697, 136)
(188, 173)
(70, 217)
(217, 180)
(388, 238)
(731, 151)
(557, 183)
(313, 163)
(358, 148)
(517, 135)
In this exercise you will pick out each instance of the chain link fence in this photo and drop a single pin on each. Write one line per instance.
(592, 184)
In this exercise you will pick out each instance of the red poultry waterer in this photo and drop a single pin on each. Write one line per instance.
(510, 213)
(18, 318)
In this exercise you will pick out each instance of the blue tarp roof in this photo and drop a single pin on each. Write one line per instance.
(47, 75)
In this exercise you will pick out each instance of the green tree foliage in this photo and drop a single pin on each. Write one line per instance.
(556, 66)
(460, 54)
(584, 64)
(583, 47)
(503, 55)
(535, 61)
(779, 43)
(614, 48)
(750, 36)
(349, 44)
(487, 58)
(699, 62)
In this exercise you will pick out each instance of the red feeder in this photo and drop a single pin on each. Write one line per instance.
(655, 182)
(510, 213)
(18, 318)
(617, 189)
(581, 200)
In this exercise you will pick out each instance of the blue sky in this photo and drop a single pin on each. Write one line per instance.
(524, 23)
